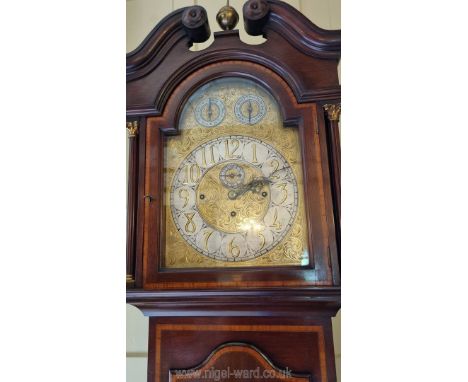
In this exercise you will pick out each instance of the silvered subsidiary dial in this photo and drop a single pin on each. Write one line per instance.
(250, 109)
(232, 176)
(234, 198)
(210, 112)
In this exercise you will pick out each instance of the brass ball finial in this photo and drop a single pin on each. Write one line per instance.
(227, 17)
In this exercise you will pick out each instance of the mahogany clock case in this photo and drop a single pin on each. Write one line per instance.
(268, 317)
(298, 66)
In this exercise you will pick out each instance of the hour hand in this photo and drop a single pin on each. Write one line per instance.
(255, 186)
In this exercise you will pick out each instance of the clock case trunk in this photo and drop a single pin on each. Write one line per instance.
(298, 64)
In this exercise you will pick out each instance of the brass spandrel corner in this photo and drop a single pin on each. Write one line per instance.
(132, 128)
(333, 111)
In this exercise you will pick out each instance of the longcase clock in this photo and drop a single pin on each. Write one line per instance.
(234, 196)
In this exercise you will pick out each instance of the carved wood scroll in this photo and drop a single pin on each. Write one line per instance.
(237, 362)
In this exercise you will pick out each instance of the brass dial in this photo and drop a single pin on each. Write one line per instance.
(234, 188)
(245, 198)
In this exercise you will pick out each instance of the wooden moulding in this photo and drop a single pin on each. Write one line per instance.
(310, 302)
(305, 56)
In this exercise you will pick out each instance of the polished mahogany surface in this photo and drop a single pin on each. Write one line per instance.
(237, 361)
(301, 346)
(277, 318)
(319, 204)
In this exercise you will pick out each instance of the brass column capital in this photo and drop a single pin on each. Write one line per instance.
(130, 281)
(333, 111)
(132, 128)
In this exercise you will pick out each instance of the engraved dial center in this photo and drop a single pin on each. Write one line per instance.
(219, 208)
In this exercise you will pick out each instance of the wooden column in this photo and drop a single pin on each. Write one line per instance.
(333, 112)
(132, 129)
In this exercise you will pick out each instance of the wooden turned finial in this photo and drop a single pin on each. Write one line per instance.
(256, 13)
(195, 22)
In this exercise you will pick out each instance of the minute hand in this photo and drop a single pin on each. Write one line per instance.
(254, 186)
